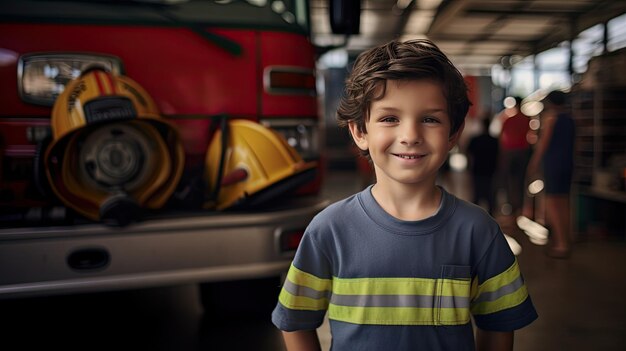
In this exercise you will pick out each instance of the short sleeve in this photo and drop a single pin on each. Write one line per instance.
(305, 294)
(500, 300)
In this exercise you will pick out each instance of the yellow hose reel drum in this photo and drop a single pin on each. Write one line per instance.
(112, 154)
(248, 164)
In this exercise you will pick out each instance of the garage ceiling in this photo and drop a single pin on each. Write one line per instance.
(475, 34)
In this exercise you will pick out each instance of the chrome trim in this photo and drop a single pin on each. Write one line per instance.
(145, 280)
(191, 249)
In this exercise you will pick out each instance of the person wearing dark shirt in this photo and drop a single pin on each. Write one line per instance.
(482, 152)
(555, 152)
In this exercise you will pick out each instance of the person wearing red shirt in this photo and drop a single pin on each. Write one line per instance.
(514, 154)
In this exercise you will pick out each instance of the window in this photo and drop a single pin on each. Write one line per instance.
(550, 69)
(617, 33)
(586, 45)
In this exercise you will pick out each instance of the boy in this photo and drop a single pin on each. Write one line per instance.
(404, 265)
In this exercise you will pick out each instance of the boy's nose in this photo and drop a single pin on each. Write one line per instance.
(411, 135)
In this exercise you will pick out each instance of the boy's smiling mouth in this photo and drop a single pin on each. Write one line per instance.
(409, 156)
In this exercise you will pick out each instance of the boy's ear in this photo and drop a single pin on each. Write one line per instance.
(454, 138)
(359, 137)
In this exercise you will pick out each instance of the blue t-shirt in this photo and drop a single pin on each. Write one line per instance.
(389, 284)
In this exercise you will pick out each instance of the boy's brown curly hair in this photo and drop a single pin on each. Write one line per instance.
(396, 60)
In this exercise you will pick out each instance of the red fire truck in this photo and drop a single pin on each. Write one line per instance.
(201, 62)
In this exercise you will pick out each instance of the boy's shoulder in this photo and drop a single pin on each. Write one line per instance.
(471, 214)
(465, 206)
(339, 209)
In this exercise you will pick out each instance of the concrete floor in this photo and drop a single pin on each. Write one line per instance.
(581, 304)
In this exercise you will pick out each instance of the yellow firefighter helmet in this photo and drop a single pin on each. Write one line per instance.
(112, 154)
(248, 164)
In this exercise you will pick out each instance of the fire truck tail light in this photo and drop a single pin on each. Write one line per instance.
(289, 80)
(290, 240)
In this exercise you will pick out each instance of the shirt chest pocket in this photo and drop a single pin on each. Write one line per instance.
(452, 296)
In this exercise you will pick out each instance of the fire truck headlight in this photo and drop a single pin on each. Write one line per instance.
(42, 77)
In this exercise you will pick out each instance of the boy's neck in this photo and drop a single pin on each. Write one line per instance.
(408, 202)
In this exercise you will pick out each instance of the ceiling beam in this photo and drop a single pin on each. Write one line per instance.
(599, 12)
(448, 12)
(403, 18)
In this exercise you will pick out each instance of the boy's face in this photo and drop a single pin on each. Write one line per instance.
(408, 132)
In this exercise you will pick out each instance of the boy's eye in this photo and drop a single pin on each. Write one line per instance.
(430, 120)
(389, 119)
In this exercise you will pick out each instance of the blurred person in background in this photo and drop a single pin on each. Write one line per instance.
(555, 152)
(514, 154)
(482, 152)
